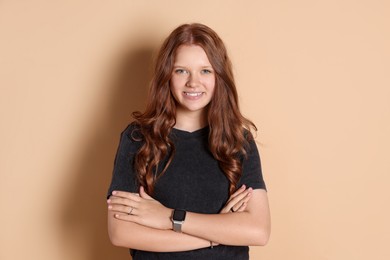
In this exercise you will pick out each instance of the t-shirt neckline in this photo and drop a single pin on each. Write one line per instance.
(187, 134)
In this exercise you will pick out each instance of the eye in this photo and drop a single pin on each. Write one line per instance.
(180, 71)
(206, 71)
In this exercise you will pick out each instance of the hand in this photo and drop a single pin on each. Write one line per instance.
(238, 200)
(141, 209)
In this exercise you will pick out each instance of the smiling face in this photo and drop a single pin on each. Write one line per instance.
(193, 80)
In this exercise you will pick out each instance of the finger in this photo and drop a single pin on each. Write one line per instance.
(116, 201)
(238, 191)
(122, 209)
(247, 197)
(126, 217)
(242, 207)
(242, 203)
(239, 197)
(123, 201)
(143, 193)
(127, 195)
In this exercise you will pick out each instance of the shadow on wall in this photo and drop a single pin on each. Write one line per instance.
(84, 217)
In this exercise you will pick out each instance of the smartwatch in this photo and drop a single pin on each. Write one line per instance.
(178, 218)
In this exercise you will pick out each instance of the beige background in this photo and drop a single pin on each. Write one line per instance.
(313, 75)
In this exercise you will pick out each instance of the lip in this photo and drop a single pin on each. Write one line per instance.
(195, 95)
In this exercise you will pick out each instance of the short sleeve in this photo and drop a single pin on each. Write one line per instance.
(251, 173)
(123, 176)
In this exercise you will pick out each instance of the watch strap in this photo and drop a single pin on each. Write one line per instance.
(177, 226)
(178, 217)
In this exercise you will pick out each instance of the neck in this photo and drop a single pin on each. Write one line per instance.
(190, 121)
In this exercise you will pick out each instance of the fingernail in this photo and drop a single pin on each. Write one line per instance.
(110, 207)
(114, 192)
(108, 201)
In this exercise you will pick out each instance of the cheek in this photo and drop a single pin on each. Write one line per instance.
(211, 84)
(174, 89)
(174, 83)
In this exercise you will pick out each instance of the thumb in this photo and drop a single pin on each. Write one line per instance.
(143, 193)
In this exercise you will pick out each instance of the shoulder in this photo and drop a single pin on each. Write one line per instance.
(132, 133)
(131, 139)
(250, 142)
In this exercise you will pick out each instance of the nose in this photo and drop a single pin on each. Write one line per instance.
(193, 81)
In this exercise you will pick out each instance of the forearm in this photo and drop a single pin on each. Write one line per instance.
(229, 229)
(135, 236)
(152, 222)
(250, 227)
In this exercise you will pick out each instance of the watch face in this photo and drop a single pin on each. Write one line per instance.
(179, 215)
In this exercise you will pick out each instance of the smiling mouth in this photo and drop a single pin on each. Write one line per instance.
(193, 94)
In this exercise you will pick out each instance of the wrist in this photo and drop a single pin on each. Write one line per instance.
(178, 218)
(213, 244)
(168, 222)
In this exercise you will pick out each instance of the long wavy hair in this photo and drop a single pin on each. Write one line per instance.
(229, 131)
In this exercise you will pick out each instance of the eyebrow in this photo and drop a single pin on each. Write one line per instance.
(179, 66)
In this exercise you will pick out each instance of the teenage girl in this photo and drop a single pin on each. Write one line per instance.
(187, 181)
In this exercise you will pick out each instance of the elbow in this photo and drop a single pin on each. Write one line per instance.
(116, 232)
(114, 238)
(116, 235)
(262, 232)
(261, 237)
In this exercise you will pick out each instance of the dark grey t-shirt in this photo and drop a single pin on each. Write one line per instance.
(193, 182)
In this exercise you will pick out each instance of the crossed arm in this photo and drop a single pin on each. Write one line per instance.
(149, 227)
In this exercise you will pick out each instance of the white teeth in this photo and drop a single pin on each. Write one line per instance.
(193, 94)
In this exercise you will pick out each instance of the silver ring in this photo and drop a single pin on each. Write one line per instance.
(131, 210)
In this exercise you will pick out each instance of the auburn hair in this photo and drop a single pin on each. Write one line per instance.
(229, 130)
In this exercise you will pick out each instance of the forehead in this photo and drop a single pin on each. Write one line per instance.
(191, 54)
